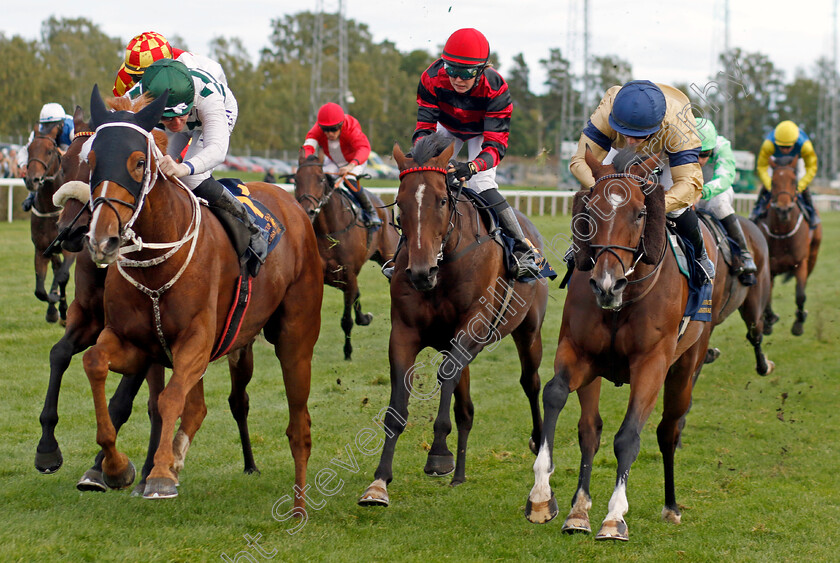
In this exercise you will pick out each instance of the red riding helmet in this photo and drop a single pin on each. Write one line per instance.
(466, 47)
(330, 115)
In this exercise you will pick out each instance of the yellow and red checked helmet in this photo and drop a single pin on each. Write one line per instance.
(141, 52)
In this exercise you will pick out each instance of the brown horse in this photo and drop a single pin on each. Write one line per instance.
(343, 241)
(793, 246)
(751, 301)
(451, 292)
(167, 299)
(43, 177)
(621, 322)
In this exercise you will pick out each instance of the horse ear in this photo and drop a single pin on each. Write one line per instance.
(592, 162)
(150, 115)
(446, 155)
(78, 118)
(773, 164)
(654, 224)
(301, 155)
(581, 232)
(98, 111)
(399, 156)
(794, 162)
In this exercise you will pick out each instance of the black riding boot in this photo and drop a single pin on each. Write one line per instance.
(371, 218)
(733, 228)
(522, 249)
(27, 204)
(689, 227)
(813, 218)
(227, 202)
(760, 208)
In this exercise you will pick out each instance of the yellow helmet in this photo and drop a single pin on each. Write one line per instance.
(786, 133)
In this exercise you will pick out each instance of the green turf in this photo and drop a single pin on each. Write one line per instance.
(756, 476)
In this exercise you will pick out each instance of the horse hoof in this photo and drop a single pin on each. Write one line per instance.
(62, 322)
(252, 471)
(375, 495)
(439, 465)
(92, 481)
(712, 354)
(139, 489)
(615, 530)
(49, 462)
(671, 515)
(797, 329)
(457, 481)
(532, 445)
(771, 365)
(123, 480)
(577, 523)
(160, 487)
(768, 329)
(364, 320)
(52, 316)
(541, 512)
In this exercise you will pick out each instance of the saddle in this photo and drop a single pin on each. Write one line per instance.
(237, 231)
(729, 247)
(698, 307)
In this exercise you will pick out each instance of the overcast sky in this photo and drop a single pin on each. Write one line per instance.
(667, 42)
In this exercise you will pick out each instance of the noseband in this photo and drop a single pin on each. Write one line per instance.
(55, 157)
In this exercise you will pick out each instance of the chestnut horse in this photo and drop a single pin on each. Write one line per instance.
(43, 177)
(85, 320)
(751, 301)
(343, 241)
(179, 323)
(450, 291)
(793, 246)
(621, 322)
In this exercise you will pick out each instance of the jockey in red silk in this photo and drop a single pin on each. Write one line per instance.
(346, 150)
(461, 96)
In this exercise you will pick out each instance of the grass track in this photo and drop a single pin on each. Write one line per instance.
(756, 475)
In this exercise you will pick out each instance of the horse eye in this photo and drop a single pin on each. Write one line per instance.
(141, 163)
(444, 201)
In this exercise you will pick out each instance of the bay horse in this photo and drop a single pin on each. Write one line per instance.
(450, 291)
(179, 324)
(621, 322)
(750, 301)
(85, 320)
(344, 243)
(43, 177)
(793, 246)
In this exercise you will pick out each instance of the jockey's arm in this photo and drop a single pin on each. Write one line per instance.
(598, 135)
(687, 188)
(810, 158)
(724, 173)
(763, 161)
(215, 133)
(577, 164)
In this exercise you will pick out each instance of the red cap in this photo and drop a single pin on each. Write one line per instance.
(330, 115)
(466, 47)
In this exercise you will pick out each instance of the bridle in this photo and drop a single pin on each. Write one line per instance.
(328, 189)
(37, 183)
(774, 206)
(453, 199)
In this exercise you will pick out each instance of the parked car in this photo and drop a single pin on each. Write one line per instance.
(379, 169)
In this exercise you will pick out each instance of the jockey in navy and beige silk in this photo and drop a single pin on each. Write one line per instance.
(462, 97)
(786, 140)
(652, 119)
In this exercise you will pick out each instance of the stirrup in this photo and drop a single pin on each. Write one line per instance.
(526, 265)
(707, 268)
(388, 269)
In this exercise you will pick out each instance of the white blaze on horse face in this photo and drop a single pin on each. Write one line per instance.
(419, 197)
(616, 201)
(542, 472)
(96, 213)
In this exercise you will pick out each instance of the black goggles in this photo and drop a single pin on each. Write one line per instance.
(331, 128)
(463, 72)
(706, 154)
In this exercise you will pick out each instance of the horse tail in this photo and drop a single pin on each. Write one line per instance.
(654, 225)
(582, 232)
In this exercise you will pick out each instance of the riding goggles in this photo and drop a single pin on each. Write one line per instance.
(332, 128)
(463, 72)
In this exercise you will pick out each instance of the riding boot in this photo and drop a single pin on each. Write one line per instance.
(27, 204)
(523, 250)
(370, 217)
(760, 208)
(813, 218)
(746, 273)
(227, 202)
(689, 227)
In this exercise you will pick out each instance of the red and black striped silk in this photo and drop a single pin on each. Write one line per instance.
(484, 110)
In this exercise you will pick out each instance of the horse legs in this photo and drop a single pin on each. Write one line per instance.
(155, 379)
(589, 438)
(753, 313)
(801, 314)
(529, 346)
(646, 377)
(464, 412)
(403, 348)
(241, 365)
(62, 276)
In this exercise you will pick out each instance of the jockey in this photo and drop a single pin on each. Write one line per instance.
(652, 119)
(148, 47)
(786, 140)
(201, 112)
(464, 98)
(717, 159)
(52, 114)
(346, 149)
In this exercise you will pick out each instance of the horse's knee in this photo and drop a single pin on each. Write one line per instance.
(555, 393)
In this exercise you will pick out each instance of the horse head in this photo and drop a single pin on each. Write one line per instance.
(313, 188)
(617, 223)
(44, 163)
(123, 167)
(427, 208)
(783, 188)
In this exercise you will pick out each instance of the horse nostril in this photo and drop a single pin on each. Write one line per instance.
(619, 286)
(433, 272)
(596, 289)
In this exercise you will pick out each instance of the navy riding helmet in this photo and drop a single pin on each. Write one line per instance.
(638, 109)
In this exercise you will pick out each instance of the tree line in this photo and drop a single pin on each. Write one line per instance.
(274, 93)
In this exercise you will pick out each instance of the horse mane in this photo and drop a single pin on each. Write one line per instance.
(135, 105)
(654, 224)
(429, 147)
(625, 158)
(581, 233)
(785, 160)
